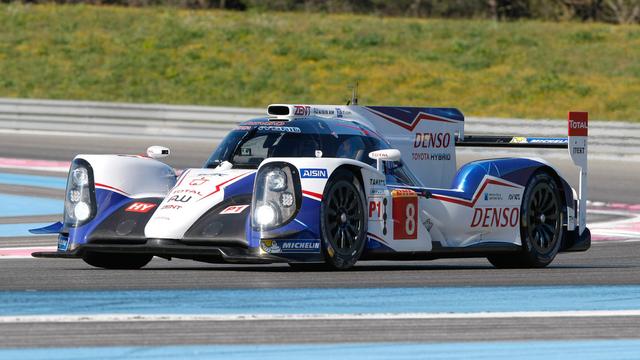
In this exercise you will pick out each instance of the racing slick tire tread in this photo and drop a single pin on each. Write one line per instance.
(116, 261)
(337, 256)
(541, 214)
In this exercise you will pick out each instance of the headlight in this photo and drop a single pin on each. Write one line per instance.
(80, 202)
(266, 215)
(276, 180)
(277, 196)
(82, 211)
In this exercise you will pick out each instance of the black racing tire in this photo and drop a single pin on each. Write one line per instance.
(116, 261)
(343, 222)
(541, 225)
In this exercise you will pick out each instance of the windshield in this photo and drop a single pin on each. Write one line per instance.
(252, 142)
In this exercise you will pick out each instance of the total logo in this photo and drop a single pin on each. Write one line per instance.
(495, 217)
(313, 173)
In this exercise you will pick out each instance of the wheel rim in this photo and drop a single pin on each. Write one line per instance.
(344, 218)
(543, 218)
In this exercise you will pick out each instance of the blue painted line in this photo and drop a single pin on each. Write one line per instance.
(323, 301)
(13, 230)
(52, 182)
(529, 350)
(19, 205)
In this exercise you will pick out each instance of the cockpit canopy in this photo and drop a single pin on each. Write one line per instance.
(253, 141)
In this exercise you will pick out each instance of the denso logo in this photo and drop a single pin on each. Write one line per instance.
(314, 173)
(495, 217)
(432, 140)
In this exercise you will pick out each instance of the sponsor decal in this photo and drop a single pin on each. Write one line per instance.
(287, 129)
(518, 140)
(300, 110)
(377, 182)
(198, 181)
(290, 246)
(578, 124)
(546, 141)
(63, 243)
(266, 123)
(234, 209)
(495, 217)
(245, 151)
(514, 197)
(186, 191)
(322, 111)
(140, 207)
(376, 192)
(180, 198)
(339, 113)
(492, 197)
(171, 207)
(427, 156)
(313, 173)
(432, 140)
(578, 150)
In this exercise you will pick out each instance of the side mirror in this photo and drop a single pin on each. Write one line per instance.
(158, 152)
(385, 155)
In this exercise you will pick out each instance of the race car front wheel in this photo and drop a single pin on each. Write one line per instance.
(342, 220)
(540, 225)
(116, 261)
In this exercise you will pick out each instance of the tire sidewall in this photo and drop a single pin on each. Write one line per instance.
(334, 258)
(535, 257)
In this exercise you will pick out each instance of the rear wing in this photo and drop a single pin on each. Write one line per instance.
(576, 143)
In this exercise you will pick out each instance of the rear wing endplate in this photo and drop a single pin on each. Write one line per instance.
(578, 135)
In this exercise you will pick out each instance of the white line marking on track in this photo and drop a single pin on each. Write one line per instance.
(308, 317)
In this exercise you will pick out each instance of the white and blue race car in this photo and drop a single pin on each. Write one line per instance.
(330, 185)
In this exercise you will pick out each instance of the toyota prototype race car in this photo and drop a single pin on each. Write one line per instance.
(331, 185)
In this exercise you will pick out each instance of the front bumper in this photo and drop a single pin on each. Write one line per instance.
(171, 248)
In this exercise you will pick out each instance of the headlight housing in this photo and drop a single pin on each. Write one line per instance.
(80, 199)
(277, 196)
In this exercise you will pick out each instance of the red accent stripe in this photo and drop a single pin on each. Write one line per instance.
(468, 203)
(312, 194)
(111, 188)
(421, 116)
(219, 186)
(376, 237)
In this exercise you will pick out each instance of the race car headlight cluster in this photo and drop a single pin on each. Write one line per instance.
(79, 204)
(277, 196)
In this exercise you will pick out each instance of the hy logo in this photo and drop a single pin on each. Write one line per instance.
(313, 173)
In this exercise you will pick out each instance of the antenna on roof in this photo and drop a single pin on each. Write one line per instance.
(354, 95)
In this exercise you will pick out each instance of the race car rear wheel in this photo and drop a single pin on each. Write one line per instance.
(540, 225)
(342, 220)
(116, 261)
